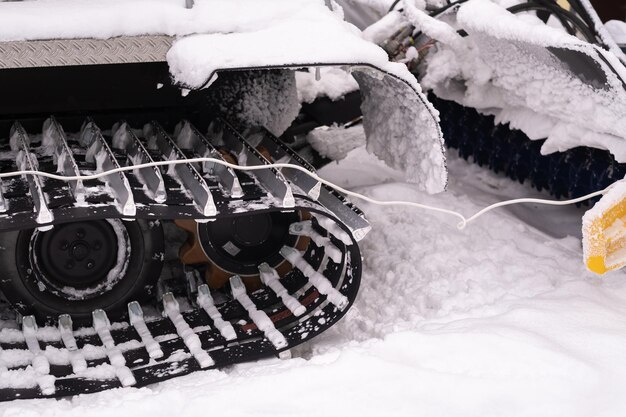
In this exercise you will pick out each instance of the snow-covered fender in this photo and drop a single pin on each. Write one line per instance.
(401, 126)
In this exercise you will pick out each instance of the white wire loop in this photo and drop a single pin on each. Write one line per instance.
(464, 221)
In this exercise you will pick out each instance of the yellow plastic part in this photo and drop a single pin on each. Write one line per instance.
(604, 238)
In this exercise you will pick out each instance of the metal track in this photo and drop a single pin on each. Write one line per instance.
(219, 329)
(568, 174)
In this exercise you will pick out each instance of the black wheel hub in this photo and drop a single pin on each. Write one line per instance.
(239, 244)
(78, 255)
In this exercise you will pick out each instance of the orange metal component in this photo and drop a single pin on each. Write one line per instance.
(191, 253)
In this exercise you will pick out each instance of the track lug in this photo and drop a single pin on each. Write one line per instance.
(77, 360)
(318, 280)
(305, 228)
(102, 326)
(259, 317)
(29, 328)
(190, 338)
(270, 277)
(206, 302)
(39, 362)
(135, 313)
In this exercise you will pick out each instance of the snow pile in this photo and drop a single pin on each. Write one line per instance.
(617, 29)
(330, 82)
(496, 320)
(525, 73)
(336, 141)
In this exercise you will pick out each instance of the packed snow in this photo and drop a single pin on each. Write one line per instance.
(498, 319)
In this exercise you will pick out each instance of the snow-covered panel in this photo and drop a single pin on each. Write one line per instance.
(311, 35)
(540, 79)
(400, 130)
(401, 126)
(66, 19)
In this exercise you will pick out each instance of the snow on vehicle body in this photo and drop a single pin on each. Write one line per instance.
(533, 88)
(268, 259)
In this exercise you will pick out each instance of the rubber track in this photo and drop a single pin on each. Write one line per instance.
(569, 174)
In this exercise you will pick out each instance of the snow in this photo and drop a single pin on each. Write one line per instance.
(319, 281)
(205, 300)
(324, 140)
(258, 317)
(270, 278)
(191, 340)
(331, 82)
(617, 29)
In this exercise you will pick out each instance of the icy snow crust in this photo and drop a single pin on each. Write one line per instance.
(507, 71)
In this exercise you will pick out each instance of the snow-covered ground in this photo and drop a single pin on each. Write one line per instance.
(500, 319)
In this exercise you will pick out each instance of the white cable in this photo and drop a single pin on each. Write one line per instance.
(461, 225)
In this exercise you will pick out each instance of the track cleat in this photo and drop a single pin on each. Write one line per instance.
(305, 228)
(29, 328)
(39, 362)
(205, 301)
(102, 326)
(604, 232)
(270, 277)
(135, 313)
(186, 333)
(259, 317)
(332, 228)
(77, 360)
(318, 280)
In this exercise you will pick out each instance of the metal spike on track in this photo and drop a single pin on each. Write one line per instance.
(100, 153)
(190, 138)
(259, 317)
(102, 326)
(282, 153)
(135, 313)
(186, 333)
(206, 302)
(54, 139)
(39, 362)
(26, 161)
(186, 174)
(318, 280)
(270, 179)
(77, 360)
(270, 277)
(151, 177)
(332, 228)
(305, 228)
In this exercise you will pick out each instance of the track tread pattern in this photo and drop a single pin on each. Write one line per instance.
(566, 175)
